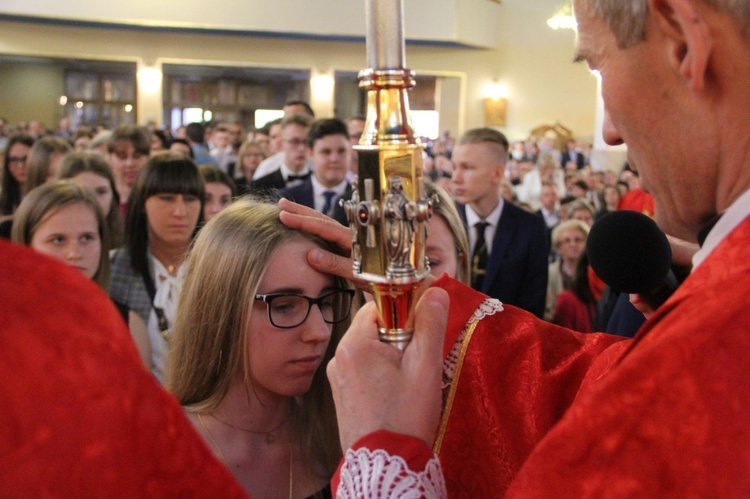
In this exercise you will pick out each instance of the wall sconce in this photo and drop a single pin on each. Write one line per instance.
(321, 85)
(495, 104)
(321, 93)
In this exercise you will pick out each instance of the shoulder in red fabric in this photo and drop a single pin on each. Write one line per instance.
(81, 416)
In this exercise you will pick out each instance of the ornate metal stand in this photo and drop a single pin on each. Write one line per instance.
(389, 210)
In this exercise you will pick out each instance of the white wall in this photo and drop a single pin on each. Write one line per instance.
(436, 20)
(532, 60)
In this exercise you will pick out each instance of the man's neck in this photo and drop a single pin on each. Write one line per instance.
(483, 207)
(295, 168)
(328, 184)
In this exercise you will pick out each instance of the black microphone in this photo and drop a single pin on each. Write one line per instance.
(629, 252)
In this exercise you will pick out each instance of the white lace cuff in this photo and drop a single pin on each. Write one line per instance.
(379, 475)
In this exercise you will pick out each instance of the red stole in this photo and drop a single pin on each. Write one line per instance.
(519, 374)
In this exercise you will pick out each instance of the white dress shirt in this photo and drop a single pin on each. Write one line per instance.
(320, 199)
(493, 219)
(273, 163)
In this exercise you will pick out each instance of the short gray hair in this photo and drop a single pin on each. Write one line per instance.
(627, 19)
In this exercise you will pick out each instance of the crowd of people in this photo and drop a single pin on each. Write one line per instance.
(313, 163)
(225, 257)
(128, 209)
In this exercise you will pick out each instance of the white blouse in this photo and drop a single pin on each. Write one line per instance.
(168, 289)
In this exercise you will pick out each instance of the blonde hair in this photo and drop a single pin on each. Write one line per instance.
(209, 341)
(568, 225)
(445, 208)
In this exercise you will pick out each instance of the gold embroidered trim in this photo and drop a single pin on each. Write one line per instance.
(468, 332)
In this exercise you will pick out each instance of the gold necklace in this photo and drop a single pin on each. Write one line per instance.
(226, 463)
(270, 437)
(211, 437)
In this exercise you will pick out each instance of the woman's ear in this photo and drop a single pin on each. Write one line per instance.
(688, 38)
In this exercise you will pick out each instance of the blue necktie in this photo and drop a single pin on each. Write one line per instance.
(329, 195)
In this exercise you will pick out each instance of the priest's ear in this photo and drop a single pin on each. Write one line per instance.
(687, 37)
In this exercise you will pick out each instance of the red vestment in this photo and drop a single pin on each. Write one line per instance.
(637, 200)
(81, 416)
(540, 411)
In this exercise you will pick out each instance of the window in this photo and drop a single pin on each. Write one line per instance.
(228, 93)
(100, 97)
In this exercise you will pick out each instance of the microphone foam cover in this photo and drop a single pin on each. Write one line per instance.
(629, 252)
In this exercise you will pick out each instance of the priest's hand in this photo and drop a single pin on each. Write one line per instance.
(377, 387)
(312, 221)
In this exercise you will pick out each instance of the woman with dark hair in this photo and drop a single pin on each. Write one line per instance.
(575, 307)
(159, 142)
(14, 172)
(91, 170)
(220, 190)
(165, 210)
(181, 146)
(256, 327)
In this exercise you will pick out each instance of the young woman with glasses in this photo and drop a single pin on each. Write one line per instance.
(255, 328)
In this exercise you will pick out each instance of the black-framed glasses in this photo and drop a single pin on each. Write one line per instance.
(288, 310)
(20, 160)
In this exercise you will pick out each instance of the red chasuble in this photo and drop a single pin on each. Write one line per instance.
(81, 417)
(534, 410)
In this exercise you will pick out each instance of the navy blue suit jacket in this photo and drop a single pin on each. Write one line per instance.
(517, 266)
(304, 195)
(580, 160)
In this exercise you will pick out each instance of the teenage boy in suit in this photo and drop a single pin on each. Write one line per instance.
(330, 153)
(509, 245)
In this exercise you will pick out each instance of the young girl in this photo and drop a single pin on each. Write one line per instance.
(446, 247)
(64, 221)
(44, 157)
(164, 212)
(256, 328)
(91, 170)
